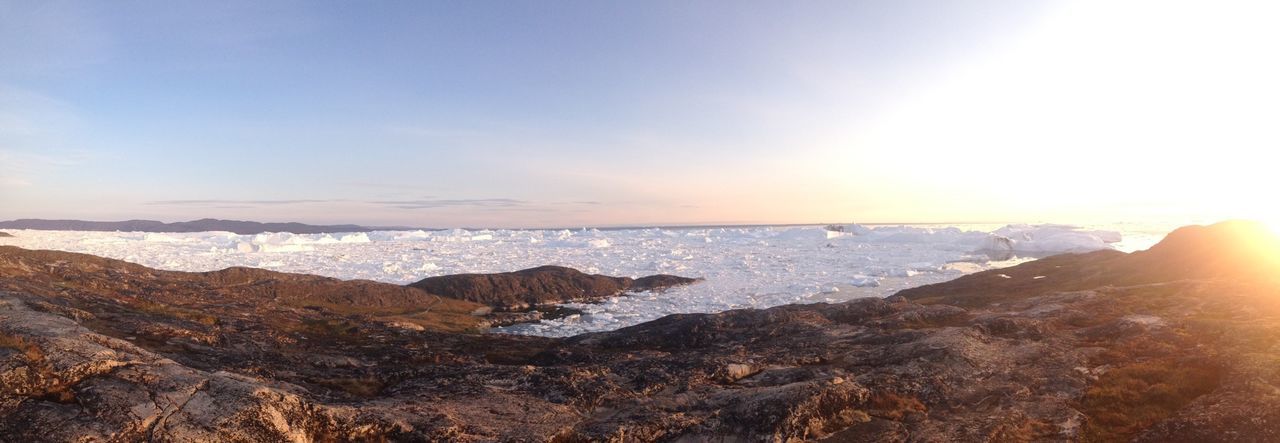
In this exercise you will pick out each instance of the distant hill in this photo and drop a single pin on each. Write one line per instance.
(204, 224)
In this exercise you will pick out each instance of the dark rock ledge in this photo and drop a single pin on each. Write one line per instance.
(524, 289)
(1178, 343)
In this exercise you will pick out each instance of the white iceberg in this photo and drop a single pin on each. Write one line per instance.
(1047, 239)
(742, 266)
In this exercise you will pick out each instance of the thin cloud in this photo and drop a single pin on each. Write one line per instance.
(17, 167)
(432, 203)
(13, 182)
(431, 132)
(11, 171)
(392, 186)
(422, 203)
(236, 203)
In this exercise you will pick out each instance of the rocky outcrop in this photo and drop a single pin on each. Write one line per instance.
(60, 381)
(1087, 352)
(659, 282)
(5, 234)
(1234, 250)
(539, 286)
(207, 300)
(1238, 250)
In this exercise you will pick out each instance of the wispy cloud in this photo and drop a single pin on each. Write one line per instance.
(238, 203)
(34, 130)
(12, 182)
(419, 203)
(11, 171)
(17, 167)
(431, 203)
(382, 185)
(432, 132)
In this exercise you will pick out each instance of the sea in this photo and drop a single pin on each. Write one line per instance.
(741, 266)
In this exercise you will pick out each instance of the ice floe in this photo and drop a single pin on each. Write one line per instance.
(744, 267)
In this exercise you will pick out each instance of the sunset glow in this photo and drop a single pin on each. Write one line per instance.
(642, 221)
(1103, 108)
(1055, 111)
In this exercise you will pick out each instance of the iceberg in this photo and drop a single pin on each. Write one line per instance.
(742, 266)
(1047, 240)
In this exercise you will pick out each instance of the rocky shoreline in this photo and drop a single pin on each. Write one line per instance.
(1177, 343)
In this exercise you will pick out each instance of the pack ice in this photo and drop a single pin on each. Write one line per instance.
(749, 267)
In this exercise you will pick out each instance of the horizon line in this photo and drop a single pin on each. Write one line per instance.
(621, 226)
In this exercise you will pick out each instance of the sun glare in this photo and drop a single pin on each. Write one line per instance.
(1273, 225)
(1094, 108)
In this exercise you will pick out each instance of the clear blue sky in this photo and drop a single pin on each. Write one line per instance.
(552, 113)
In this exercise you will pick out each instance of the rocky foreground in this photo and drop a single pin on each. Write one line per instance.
(1178, 343)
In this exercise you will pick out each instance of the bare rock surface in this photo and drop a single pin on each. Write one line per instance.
(540, 286)
(1103, 347)
(62, 382)
(218, 299)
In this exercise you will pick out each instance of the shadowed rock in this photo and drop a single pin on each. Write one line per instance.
(137, 395)
(1229, 250)
(1233, 250)
(5, 234)
(1102, 348)
(208, 298)
(542, 285)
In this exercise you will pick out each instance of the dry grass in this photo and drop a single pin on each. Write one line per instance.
(329, 327)
(1024, 431)
(365, 387)
(893, 406)
(441, 321)
(448, 316)
(1128, 399)
(153, 308)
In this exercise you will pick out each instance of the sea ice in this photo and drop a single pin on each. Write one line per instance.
(749, 267)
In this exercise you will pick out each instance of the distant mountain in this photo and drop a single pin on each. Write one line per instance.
(204, 224)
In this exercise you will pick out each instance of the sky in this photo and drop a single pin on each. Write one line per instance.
(590, 113)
